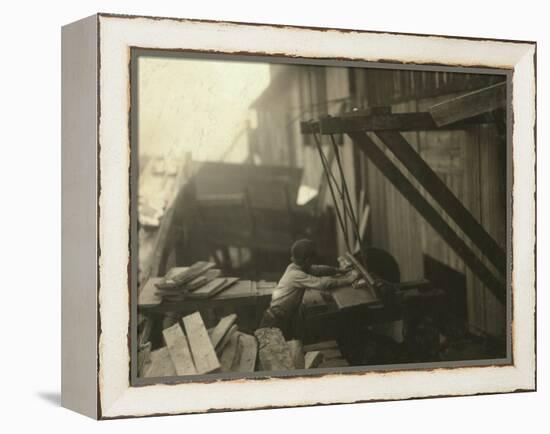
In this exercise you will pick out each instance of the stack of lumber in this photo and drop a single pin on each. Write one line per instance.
(191, 349)
(324, 355)
(200, 280)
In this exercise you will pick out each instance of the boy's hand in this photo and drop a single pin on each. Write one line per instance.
(353, 276)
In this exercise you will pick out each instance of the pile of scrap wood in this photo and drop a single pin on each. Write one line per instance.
(191, 349)
(200, 280)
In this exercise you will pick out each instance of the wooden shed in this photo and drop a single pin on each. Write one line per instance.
(471, 160)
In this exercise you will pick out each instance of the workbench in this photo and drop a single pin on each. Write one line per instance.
(241, 293)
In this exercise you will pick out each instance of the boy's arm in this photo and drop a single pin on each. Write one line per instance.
(327, 283)
(347, 279)
(323, 270)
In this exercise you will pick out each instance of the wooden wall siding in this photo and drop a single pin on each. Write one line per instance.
(493, 212)
(385, 87)
(468, 161)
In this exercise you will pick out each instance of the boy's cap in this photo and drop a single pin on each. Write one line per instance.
(302, 250)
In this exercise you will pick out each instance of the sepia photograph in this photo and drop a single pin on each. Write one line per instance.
(294, 217)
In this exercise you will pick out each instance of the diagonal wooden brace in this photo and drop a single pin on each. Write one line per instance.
(430, 214)
(433, 184)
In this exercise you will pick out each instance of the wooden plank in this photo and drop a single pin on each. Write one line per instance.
(205, 357)
(148, 296)
(248, 354)
(213, 288)
(444, 197)
(178, 347)
(297, 353)
(174, 271)
(347, 297)
(414, 121)
(319, 346)
(313, 359)
(334, 363)
(469, 105)
(160, 364)
(185, 276)
(426, 210)
(230, 355)
(222, 328)
(226, 338)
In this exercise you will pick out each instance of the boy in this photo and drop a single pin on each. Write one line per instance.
(285, 308)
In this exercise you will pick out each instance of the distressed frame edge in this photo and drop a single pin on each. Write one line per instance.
(530, 50)
(79, 270)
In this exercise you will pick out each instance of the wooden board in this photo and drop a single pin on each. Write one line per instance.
(174, 271)
(187, 274)
(222, 328)
(319, 346)
(213, 288)
(230, 355)
(313, 359)
(178, 347)
(203, 352)
(334, 363)
(347, 297)
(248, 353)
(219, 348)
(148, 297)
(470, 105)
(159, 364)
(297, 353)
(202, 280)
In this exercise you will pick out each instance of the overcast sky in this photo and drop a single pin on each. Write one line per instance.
(195, 105)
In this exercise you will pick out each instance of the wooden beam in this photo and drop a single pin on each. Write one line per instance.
(469, 105)
(205, 357)
(415, 198)
(222, 328)
(433, 184)
(414, 121)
